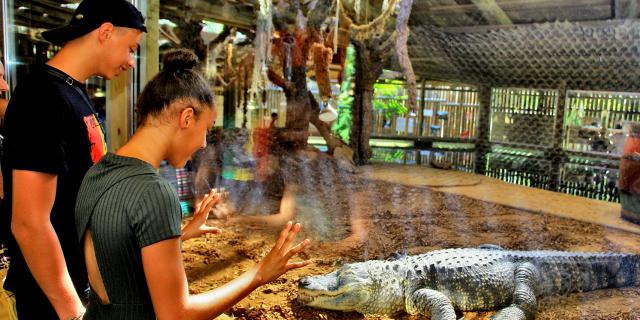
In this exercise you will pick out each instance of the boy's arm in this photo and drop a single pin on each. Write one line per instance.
(33, 197)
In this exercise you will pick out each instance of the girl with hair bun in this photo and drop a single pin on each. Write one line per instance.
(128, 217)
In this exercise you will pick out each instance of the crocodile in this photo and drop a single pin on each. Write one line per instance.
(443, 282)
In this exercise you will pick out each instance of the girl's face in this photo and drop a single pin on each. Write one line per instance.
(194, 135)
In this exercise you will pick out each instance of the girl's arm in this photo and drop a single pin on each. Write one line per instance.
(169, 289)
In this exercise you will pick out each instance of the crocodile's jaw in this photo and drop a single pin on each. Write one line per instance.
(368, 290)
(345, 301)
(324, 292)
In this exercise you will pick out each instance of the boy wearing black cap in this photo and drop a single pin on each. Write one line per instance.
(52, 137)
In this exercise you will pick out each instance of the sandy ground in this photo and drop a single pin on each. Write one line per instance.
(354, 219)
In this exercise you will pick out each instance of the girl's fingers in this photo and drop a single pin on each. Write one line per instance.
(283, 235)
(290, 237)
(214, 230)
(297, 249)
(208, 198)
(294, 265)
(208, 206)
(203, 201)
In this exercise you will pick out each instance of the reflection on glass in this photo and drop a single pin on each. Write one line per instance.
(537, 94)
(25, 47)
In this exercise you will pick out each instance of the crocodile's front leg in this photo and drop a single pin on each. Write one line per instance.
(524, 302)
(430, 302)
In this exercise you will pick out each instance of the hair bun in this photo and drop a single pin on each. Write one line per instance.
(179, 59)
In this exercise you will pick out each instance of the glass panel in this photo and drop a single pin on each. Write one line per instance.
(24, 47)
(526, 135)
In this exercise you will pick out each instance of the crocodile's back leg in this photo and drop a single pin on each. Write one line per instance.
(524, 297)
(430, 302)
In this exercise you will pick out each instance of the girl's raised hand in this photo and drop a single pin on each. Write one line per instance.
(276, 262)
(198, 224)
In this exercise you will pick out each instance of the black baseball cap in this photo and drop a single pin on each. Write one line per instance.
(91, 14)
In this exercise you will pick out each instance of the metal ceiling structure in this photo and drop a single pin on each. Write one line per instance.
(588, 44)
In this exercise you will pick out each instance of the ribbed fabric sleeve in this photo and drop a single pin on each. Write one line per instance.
(155, 218)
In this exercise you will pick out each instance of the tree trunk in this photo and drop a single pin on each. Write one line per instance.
(188, 32)
(368, 65)
(296, 131)
(229, 107)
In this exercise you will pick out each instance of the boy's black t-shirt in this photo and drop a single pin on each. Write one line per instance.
(50, 127)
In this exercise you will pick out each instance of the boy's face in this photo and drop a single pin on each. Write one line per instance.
(120, 50)
(3, 83)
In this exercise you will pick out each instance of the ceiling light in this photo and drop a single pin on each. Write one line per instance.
(99, 93)
(71, 6)
(166, 22)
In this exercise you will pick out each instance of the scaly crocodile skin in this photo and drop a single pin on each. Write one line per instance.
(439, 283)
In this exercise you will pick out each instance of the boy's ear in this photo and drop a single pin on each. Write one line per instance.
(105, 31)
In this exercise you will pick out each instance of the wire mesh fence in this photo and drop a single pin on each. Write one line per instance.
(531, 142)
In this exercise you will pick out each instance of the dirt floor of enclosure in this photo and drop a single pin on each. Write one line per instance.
(374, 219)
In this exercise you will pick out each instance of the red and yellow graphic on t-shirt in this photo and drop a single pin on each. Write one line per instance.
(96, 138)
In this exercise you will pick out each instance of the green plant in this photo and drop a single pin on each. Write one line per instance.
(394, 156)
(389, 97)
(342, 126)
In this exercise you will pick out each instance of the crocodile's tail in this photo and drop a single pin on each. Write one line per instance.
(567, 273)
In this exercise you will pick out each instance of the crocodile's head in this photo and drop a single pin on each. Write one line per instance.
(365, 287)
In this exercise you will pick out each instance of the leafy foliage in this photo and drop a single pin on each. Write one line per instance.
(389, 97)
(342, 126)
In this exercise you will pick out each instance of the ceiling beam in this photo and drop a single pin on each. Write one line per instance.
(626, 9)
(227, 13)
(47, 7)
(492, 12)
(485, 28)
(509, 5)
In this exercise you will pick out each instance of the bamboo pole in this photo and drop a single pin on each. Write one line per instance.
(422, 104)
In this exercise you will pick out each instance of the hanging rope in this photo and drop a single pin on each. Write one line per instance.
(375, 28)
(336, 27)
(321, 60)
(358, 10)
(262, 44)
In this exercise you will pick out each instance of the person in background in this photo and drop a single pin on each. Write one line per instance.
(129, 218)
(274, 119)
(5, 230)
(52, 137)
(4, 87)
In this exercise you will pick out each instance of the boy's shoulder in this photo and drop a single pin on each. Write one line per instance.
(39, 85)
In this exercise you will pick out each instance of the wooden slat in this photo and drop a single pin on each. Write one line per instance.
(492, 12)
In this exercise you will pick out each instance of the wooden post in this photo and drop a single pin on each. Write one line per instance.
(119, 108)
(153, 33)
(422, 103)
(482, 143)
(118, 111)
(556, 154)
(229, 107)
(492, 12)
